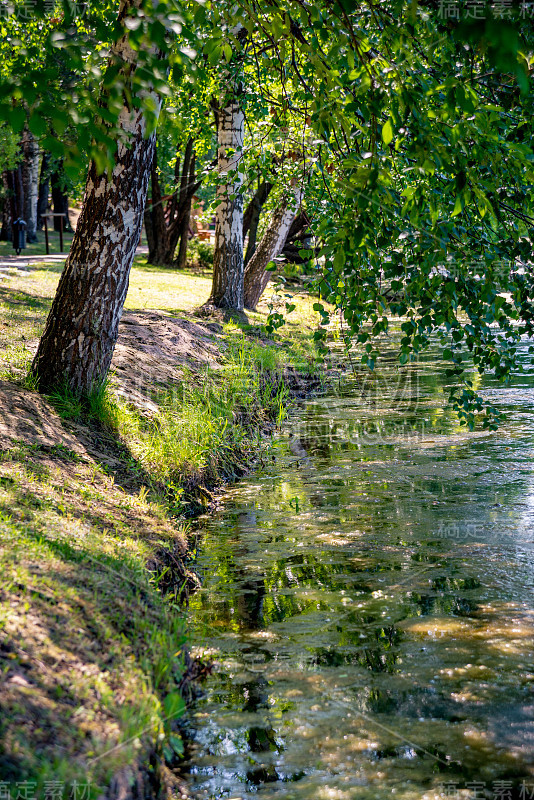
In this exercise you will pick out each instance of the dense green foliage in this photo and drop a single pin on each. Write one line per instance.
(408, 124)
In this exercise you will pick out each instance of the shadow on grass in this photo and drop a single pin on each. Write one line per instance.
(55, 266)
(15, 298)
(90, 646)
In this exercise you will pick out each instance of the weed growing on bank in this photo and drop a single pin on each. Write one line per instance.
(208, 424)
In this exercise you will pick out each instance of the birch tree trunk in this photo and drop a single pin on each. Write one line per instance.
(274, 238)
(30, 178)
(228, 267)
(251, 217)
(82, 326)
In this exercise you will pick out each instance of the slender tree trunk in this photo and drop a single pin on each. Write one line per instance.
(299, 237)
(253, 233)
(15, 200)
(30, 178)
(184, 225)
(149, 228)
(82, 326)
(60, 200)
(256, 275)
(44, 190)
(251, 217)
(228, 268)
(181, 261)
(155, 224)
(16, 192)
(6, 232)
(164, 219)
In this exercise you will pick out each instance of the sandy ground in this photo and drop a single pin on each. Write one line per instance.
(162, 344)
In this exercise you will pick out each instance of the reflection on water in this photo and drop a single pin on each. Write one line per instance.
(369, 599)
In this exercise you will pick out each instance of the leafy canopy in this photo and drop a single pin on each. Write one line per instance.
(416, 125)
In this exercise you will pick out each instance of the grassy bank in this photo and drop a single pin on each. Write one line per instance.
(93, 500)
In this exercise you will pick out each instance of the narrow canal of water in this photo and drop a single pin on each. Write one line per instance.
(369, 600)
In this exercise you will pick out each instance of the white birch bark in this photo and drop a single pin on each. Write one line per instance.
(30, 177)
(272, 243)
(228, 268)
(82, 327)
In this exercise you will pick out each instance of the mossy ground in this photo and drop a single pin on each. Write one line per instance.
(92, 504)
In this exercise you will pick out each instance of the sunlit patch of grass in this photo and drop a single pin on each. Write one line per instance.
(166, 289)
(15, 364)
(207, 426)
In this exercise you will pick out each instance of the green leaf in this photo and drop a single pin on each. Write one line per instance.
(387, 133)
(339, 260)
(17, 118)
(458, 207)
(177, 744)
(173, 706)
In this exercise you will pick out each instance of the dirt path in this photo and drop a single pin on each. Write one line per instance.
(22, 262)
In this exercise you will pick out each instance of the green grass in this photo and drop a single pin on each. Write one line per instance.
(39, 248)
(208, 425)
(201, 433)
(203, 428)
(90, 649)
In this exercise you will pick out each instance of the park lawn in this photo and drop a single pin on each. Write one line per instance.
(93, 498)
(25, 297)
(39, 248)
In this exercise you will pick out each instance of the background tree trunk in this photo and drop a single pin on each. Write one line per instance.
(44, 190)
(256, 275)
(155, 226)
(16, 192)
(15, 198)
(82, 326)
(184, 226)
(6, 231)
(30, 178)
(299, 237)
(164, 218)
(60, 200)
(228, 268)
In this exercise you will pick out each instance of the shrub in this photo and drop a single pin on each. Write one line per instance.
(200, 254)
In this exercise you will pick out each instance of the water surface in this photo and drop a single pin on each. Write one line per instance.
(369, 599)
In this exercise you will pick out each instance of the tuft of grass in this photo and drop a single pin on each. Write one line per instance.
(209, 425)
(99, 405)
